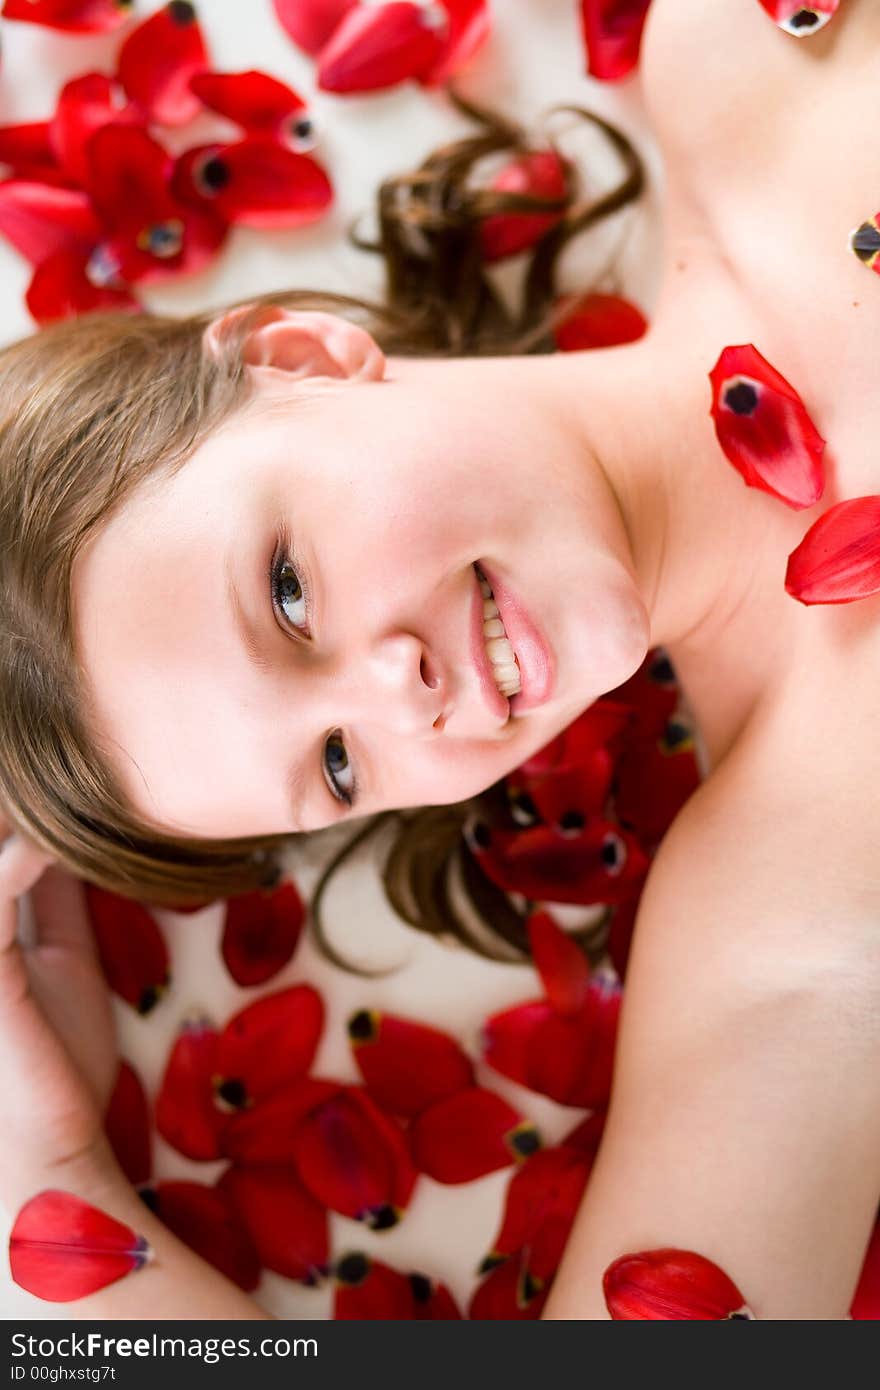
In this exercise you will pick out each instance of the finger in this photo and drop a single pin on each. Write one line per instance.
(60, 912)
(21, 864)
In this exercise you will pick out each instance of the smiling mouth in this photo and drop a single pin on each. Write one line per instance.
(499, 648)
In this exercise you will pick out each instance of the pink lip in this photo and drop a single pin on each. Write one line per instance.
(533, 654)
(496, 702)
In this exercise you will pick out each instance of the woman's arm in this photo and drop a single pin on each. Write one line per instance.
(745, 1120)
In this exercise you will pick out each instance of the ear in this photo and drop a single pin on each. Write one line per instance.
(301, 342)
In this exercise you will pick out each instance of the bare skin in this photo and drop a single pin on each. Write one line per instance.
(745, 1122)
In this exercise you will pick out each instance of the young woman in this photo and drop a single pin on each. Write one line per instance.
(274, 622)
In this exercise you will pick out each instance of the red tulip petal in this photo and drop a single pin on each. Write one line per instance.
(354, 1159)
(670, 1285)
(27, 143)
(254, 183)
(252, 99)
(406, 1066)
(542, 1201)
(599, 321)
(287, 1226)
(468, 1135)
(562, 965)
(369, 1289)
(508, 1294)
(261, 932)
(158, 59)
(655, 777)
(61, 1248)
(60, 288)
(133, 953)
(763, 428)
(838, 560)
(599, 863)
(799, 18)
(75, 16)
(378, 46)
(620, 935)
(866, 1300)
(433, 1302)
(40, 219)
(612, 32)
(587, 1134)
(267, 1133)
(864, 242)
(205, 1220)
(536, 174)
(127, 1125)
(310, 23)
(186, 1115)
(84, 106)
(600, 726)
(267, 1045)
(508, 1039)
(469, 25)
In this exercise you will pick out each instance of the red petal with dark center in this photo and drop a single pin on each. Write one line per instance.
(261, 932)
(798, 18)
(252, 99)
(378, 46)
(600, 863)
(84, 106)
(254, 183)
(287, 1226)
(599, 321)
(270, 1043)
(406, 1066)
(612, 32)
(369, 1289)
(127, 1126)
(60, 288)
(433, 1302)
(40, 219)
(600, 726)
(651, 694)
(267, 1133)
(866, 1300)
(763, 428)
(205, 1220)
(542, 1202)
(864, 242)
(133, 953)
(469, 25)
(186, 1116)
(354, 1159)
(670, 1285)
(75, 16)
(655, 777)
(562, 965)
(158, 59)
(537, 174)
(468, 1135)
(310, 23)
(26, 144)
(61, 1248)
(838, 560)
(508, 1295)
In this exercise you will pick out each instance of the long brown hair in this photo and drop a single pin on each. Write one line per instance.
(91, 407)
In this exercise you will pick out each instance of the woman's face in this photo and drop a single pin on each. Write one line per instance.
(226, 715)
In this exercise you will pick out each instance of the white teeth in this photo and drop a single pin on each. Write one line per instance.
(498, 648)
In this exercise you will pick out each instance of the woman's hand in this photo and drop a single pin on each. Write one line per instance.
(57, 1040)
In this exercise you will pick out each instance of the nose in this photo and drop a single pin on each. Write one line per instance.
(401, 687)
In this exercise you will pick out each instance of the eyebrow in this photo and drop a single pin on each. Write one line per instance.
(296, 777)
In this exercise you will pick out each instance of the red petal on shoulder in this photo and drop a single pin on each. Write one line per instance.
(406, 1066)
(536, 174)
(670, 1285)
(205, 1220)
(74, 16)
(260, 933)
(598, 321)
(838, 560)
(84, 105)
(60, 289)
(158, 59)
(763, 428)
(252, 99)
(612, 31)
(40, 219)
(370, 1290)
(270, 1043)
(374, 47)
(127, 1125)
(287, 1226)
(61, 1248)
(562, 965)
(468, 1135)
(508, 1294)
(866, 1300)
(310, 23)
(132, 949)
(267, 1133)
(186, 1116)
(801, 17)
(470, 22)
(354, 1159)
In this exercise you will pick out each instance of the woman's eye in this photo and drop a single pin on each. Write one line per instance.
(337, 764)
(288, 593)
